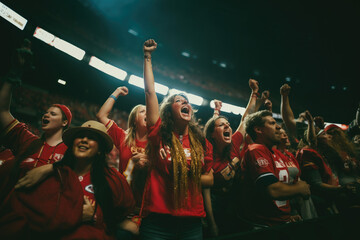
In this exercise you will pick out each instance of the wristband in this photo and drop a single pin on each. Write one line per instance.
(113, 97)
(256, 95)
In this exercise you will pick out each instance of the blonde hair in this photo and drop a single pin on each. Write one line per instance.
(131, 131)
(181, 178)
(181, 175)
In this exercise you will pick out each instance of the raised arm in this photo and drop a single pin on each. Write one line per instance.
(268, 105)
(103, 114)
(152, 104)
(311, 136)
(260, 101)
(286, 112)
(251, 106)
(218, 106)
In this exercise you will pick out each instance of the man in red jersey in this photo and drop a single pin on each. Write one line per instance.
(266, 175)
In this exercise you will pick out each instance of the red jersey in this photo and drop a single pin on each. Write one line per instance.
(55, 207)
(160, 189)
(17, 138)
(290, 161)
(311, 159)
(118, 136)
(220, 164)
(263, 168)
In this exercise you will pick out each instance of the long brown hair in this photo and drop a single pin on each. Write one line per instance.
(340, 141)
(181, 174)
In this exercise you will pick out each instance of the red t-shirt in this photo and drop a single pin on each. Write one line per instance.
(17, 138)
(220, 164)
(263, 166)
(55, 207)
(311, 159)
(118, 136)
(160, 189)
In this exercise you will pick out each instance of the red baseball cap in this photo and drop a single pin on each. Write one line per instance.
(340, 126)
(66, 111)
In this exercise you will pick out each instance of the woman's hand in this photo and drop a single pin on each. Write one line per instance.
(34, 176)
(149, 46)
(254, 85)
(140, 159)
(88, 210)
(121, 91)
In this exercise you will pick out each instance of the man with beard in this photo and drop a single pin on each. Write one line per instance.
(266, 175)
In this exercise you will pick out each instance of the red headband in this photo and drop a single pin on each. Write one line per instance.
(66, 111)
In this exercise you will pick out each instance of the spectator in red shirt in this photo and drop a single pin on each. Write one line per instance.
(24, 144)
(180, 159)
(226, 146)
(131, 144)
(83, 198)
(266, 174)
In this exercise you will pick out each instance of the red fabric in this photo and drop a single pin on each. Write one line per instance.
(50, 209)
(19, 138)
(54, 208)
(66, 111)
(311, 159)
(259, 161)
(291, 160)
(160, 191)
(220, 164)
(118, 136)
(123, 205)
(6, 155)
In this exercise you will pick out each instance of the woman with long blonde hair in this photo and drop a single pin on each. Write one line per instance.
(180, 164)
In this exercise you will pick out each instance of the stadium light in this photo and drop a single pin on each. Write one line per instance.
(107, 68)
(62, 82)
(44, 36)
(13, 17)
(59, 43)
(185, 54)
(139, 82)
(193, 99)
(68, 48)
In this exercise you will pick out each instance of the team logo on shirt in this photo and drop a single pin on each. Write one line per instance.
(262, 162)
(58, 156)
(165, 153)
(89, 188)
(279, 164)
(135, 149)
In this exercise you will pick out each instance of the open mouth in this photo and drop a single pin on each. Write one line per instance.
(226, 135)
(185, 110)
(45, 121)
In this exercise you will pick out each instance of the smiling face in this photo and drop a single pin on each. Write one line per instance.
(222, 132)
(85, 145)
(181, 109)
(53, 120)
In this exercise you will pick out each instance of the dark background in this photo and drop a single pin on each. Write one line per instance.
(311, 45)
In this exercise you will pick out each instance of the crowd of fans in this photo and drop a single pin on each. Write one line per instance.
(155, 172)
